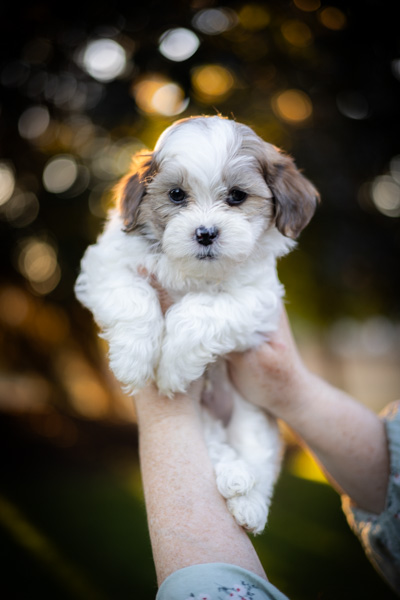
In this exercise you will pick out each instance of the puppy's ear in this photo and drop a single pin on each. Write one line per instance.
(295, 197)
(132, 188)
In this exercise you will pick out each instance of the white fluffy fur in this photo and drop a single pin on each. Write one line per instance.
(229, 302)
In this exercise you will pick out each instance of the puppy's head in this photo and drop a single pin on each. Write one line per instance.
(211, 191)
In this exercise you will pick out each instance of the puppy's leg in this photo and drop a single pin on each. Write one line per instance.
(232, 474)
(127, 310)
(255, 437)
(201, 327)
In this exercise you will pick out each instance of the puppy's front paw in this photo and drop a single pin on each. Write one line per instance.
(250, 511)
(234, 478)
(170, 382)
(131, 360)
(176, 371)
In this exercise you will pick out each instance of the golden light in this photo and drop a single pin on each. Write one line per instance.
(50, 324)
(14, 306)
(100, 200)
(303, 465)
(7, 182)
(212, 82)
(333, 18)
(254, 17)
(158, 95)
(297, 33)
(169, 100)
(23, 392)
(307, 5)
(87, 395)
(293, 106)
(37, 262)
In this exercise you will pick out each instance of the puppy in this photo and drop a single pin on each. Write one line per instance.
(207, 213)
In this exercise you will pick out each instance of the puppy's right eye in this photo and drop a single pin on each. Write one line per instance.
(177, 195)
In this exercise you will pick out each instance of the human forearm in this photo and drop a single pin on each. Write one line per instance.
(347, 438)
(188, 519)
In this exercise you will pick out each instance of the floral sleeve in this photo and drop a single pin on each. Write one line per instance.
(380, 534)
(217, 581)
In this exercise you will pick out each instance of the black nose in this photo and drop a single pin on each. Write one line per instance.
(206, 235)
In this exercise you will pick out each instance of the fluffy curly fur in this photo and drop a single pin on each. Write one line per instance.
(207, 213)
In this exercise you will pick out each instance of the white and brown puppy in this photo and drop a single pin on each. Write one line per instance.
(207, 213)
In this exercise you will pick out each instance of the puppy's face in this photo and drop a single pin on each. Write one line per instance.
(211, 190)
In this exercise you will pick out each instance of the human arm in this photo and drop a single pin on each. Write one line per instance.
(348, 440)
(188, 520)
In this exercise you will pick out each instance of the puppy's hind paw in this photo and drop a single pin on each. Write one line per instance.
(250, 511)
(234, 479)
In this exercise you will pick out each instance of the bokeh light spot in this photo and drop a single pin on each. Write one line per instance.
(178, 44)
(14, 306)
(297, 33)
(169, 100)
(212, 81)
(7, 182)
(395, 64)
(395, 168)
(22, 209)
(37, 262)
(307, 5)
(352, 105)
(157, 95)
(60, 174)
(333, 18)
(33, 122)
(254, 17)
(103, 59)
(386, 195)
(214, 21)
(293, 106)
(87, 395)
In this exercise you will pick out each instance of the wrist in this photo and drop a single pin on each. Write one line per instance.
(152, 408)
(291, 399)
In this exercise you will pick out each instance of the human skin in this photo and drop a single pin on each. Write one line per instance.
(189, 522)
(347, 439)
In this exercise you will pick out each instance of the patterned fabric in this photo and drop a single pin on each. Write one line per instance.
(380, 534)
(217, 581)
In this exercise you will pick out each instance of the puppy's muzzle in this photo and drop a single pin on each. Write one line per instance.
(206, 235)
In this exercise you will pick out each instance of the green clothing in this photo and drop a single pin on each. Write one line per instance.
(380, 534)
(217, 581)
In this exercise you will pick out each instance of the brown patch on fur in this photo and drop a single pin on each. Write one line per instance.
(295, 196)
(132, 188)
(156, 210)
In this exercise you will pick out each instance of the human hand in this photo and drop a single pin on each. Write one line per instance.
(272, 374)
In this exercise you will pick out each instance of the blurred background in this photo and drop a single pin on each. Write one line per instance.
(83, 87)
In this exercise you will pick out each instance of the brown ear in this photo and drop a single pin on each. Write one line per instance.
(295, 197)
(132, 188)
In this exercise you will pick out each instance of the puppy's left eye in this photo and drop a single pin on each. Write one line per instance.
(177, 195)
(236, 197)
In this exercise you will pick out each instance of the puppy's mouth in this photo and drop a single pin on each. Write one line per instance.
(207, 254)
